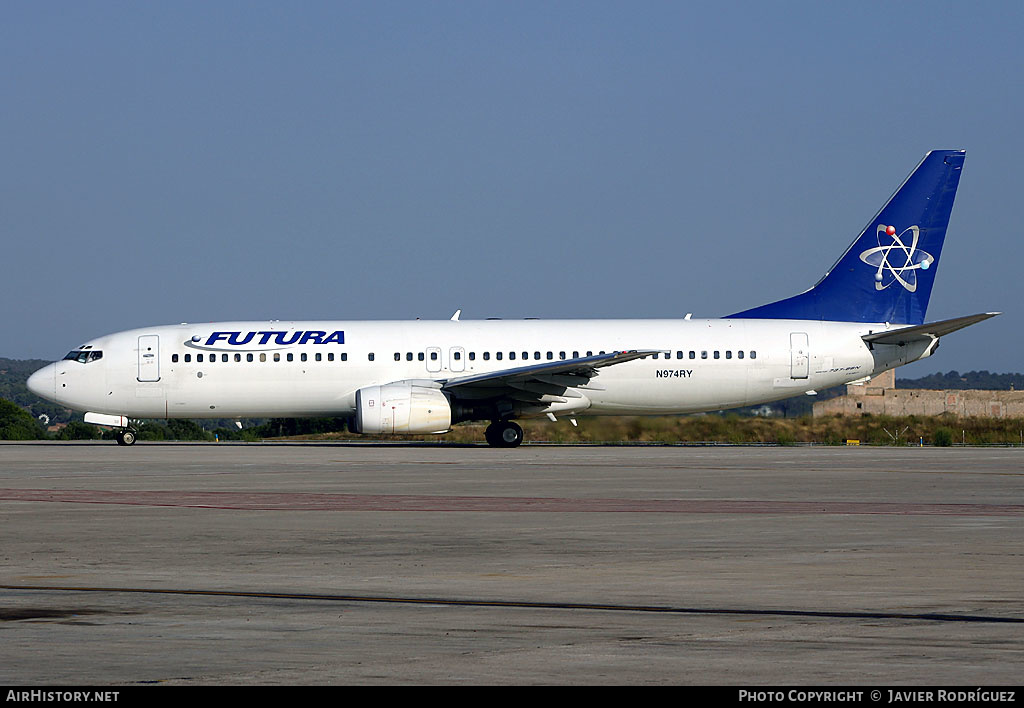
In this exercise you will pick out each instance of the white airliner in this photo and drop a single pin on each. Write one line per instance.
(864, 316)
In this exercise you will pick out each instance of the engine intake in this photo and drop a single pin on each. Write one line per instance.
(401, 408)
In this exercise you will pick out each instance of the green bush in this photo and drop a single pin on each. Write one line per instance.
(18, 424)
(942, 437)
(183, 429)
(77, 430)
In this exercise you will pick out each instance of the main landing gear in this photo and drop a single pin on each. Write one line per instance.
(126, 437)
(503, 433)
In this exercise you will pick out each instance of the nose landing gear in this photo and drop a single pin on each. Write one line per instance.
(126, 437)
(503, 433)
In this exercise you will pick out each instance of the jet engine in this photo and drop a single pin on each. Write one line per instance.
(402, 408)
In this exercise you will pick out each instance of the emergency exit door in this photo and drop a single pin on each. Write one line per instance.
(433, 359)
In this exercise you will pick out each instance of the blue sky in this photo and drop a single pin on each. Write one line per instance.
(198, 161)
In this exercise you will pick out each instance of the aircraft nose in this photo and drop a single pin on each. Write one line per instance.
(44, 382)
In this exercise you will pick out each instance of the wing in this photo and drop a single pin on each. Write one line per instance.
(553, 382)
(925, 332)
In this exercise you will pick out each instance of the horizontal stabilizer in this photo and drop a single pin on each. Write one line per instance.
(925, 332)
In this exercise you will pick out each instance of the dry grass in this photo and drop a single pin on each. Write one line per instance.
(830, 430)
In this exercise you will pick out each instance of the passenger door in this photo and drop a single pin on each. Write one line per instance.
(799, 355)
(149, 358)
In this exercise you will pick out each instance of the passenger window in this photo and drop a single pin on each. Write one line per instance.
(551, 356)
(188, 358)
(679, 355)
(408, 356)
(174, 358)
(498, 355)
(290, 357)
(739, 354)
(458, 356)
(420, 356)
(238, 357)
(487, 356)
(704, 354)
(344, 356)
(368, 356)
(433, 356)
(511, 356)
(277, 357)
(561, 355)
(199, 358)
(398, 356)
(655, 355)
(319, 356)
(728, 354)
(536, 355)
(526, 355)
(330, 356)
(716, 353)
(693, 354)
(263, 357)
(575, 355)
(472, 356)
(223, 357)
(248, 357)
(303, 356)
(590, 353)
(753, 355)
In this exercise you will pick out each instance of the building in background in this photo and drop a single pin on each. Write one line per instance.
(879, 396)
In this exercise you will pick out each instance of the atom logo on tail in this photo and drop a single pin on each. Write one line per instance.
(897, 261)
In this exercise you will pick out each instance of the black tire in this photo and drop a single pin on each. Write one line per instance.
(126, 437)
(504, 433)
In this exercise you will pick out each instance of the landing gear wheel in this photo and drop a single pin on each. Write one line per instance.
(503, 433)
(126, 437)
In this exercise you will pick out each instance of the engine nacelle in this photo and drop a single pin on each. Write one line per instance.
(403, 409)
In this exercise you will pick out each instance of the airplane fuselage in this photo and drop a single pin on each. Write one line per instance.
(293, 369)
(864, 316)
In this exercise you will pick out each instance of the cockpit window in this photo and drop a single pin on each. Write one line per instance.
(83, 357)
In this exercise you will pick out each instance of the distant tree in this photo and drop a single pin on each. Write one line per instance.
(18, 424)
(981, 380)
(77, 430)
(187, 430)
(13, 375)
(151, 430)
(285, 427)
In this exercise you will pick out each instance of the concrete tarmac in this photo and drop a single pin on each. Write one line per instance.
(442, 564)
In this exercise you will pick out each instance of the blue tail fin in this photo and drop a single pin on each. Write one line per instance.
(888, 272)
